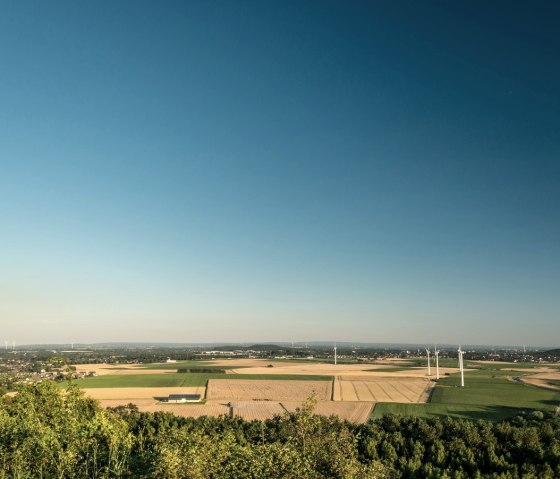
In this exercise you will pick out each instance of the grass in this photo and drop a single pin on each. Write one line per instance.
(489, 393)
(181, 380)
(181, 365)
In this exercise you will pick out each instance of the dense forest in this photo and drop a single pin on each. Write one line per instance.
(49, 433)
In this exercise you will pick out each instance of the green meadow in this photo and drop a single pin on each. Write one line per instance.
(182, 365)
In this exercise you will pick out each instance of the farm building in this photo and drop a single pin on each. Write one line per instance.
(181, 398)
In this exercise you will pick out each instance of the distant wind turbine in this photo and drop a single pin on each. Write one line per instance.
(429, 370)
(461, 366)
(436, 353)
(335, 354)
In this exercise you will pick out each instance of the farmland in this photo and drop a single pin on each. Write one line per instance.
(492, 391)
(258, 389)
(271, 390)
(381, 389)
(180, 379)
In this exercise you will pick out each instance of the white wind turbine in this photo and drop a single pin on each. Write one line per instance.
(436, 354)
(335, 354)
(6, 344)
(429, 370)
(461, 366)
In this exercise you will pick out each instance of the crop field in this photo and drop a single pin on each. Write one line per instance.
(238, 389)
(182, 365)
(189, 410)
(490, 392)
(256, 410)
(259, 389)
(287, 369)
(357, 412)
(381, 389)
(545, 379)
(143, 381)
(178, 379)
(110, 369)
(127, 395)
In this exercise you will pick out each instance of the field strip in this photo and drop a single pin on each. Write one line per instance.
(355, 391)
(364, 393)
(385, 393)
(374, 397)
(410, 395)
(398, 395)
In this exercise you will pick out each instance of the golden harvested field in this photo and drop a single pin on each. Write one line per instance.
(357, 412)
(260, 410)
(547, 380)
(381, 389)
(332, 370)
(190, 410)
(126, 395)
(106, 369)
(247, 389)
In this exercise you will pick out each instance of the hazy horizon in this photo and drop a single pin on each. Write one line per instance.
(201, 171)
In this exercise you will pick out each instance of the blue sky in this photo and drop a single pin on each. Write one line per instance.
(260, 171)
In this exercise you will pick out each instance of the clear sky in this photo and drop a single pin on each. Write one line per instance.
(382, 171)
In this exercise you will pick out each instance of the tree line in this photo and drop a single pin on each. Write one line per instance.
(48, 433)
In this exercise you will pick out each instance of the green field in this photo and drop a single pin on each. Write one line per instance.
(181, 365)
(180, 380)
(489, 393)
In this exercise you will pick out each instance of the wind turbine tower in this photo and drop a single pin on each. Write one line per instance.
(335, 354)
(461, 366)
(13, 345)
(436, 354)
(6, 344)
(429, 370)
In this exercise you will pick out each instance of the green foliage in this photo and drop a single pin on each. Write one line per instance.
(46, 432)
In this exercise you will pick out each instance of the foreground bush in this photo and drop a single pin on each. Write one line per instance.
(48, 433)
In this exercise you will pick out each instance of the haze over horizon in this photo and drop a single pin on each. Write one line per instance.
(242, 171)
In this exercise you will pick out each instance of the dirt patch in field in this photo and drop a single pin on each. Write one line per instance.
(242, 389)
